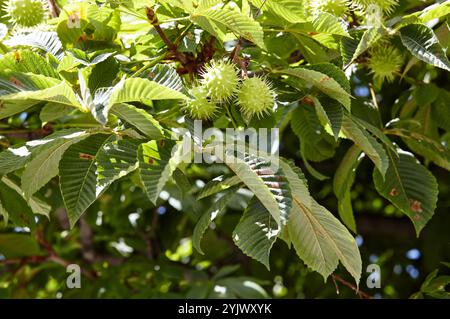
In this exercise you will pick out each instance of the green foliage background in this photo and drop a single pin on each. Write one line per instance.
(88, 102)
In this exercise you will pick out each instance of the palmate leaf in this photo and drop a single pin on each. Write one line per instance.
(256, 232)
(216, 20)
(342, 183)
(157, 164)
(410, 187)
(320, 240)
(421, 41)
(142, 90)
(78, 175)
(208, 217)
(323, 82)
(140, 119)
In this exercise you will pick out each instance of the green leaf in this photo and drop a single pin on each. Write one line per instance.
(14, 103)
(215, 20)
(116, 159)
(165, 75)
(78, 179)
(427, 147)
(421, 41)
(375, 131)
(27, 61)
(318, 237)
(157, 164)
(37, 205)
(410, 187)
(315, 144)
(256, 232)
(367, 143)
(53, 111)
(323, 82)
(15, 206)
(17, 156)
(435, 11)
(18, 245)
(46, 41)
(140, 119)
(331, 114)
(142, 90)
(264, 179)
(342, 183)
(327, 23)
(243, 287)
(44, 164)
(208, 217)
(312, 50)
(333, 72)
(292, 11)
(217, 185)
(352, 48)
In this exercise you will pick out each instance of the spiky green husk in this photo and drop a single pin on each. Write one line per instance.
(255, 97)
(384, 62)
(387, 6)
(26, 13)
(336, 7)
(221, 80)
(200, 106)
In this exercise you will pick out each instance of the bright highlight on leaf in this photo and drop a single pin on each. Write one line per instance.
(144, 141)
(335, 7)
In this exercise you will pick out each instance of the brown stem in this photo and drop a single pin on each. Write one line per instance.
(54, 8)
(360, 293)
(151, 16)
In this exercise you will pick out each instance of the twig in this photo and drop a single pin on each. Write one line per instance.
(54, 8)
(151, 16)
(360, 293)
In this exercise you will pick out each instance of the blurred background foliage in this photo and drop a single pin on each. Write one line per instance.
(129, 248)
